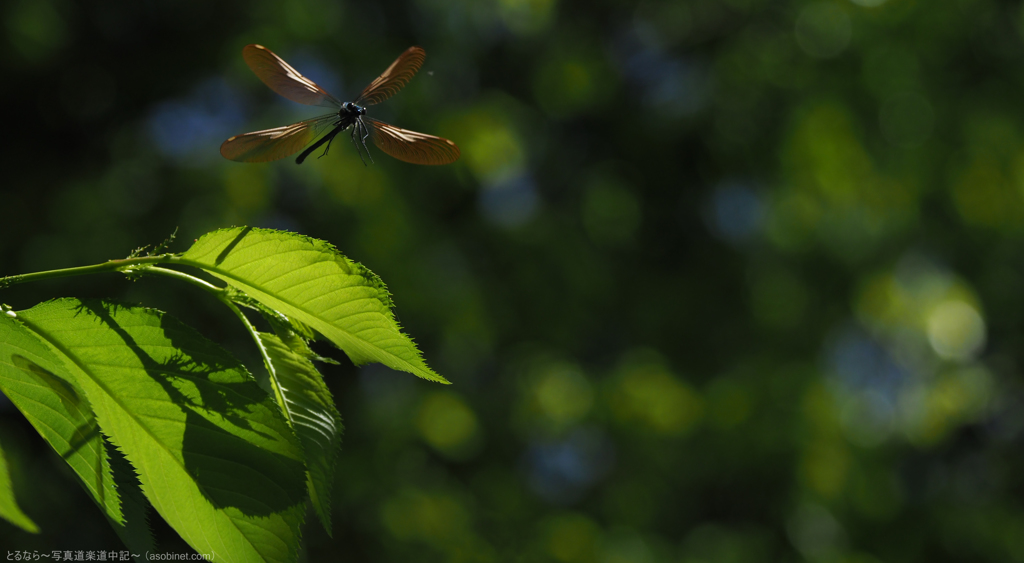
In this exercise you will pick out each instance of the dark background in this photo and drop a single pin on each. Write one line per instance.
(715, 281)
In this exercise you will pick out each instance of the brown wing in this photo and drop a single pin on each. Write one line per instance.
(273, 144)
(284, 79)
(410, 146)
(394, 78)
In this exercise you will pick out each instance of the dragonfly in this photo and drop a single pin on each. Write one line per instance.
(280, 142)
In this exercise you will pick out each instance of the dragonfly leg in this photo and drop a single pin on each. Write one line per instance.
(328, 147)
(366, 133)
(354, 129)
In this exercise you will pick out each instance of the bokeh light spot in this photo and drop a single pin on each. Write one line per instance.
(867, 417)
(736, 212)
(827, 155)
(825, 466)
(572, 81)
(495, 152)
(563, 394)
(35, 28)
(956, 330)
(985, 196)
(190, 130)
(448, 425)
(962, 394)
(490, 141)
(815, 532)
(433, 517)
(626, 547)
(956, 397)
(561, 471)
(847, 204)
(527, 17)
(649, 394)
(572, 538)
(509, 203)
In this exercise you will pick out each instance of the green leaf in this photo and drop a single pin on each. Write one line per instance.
(213, 453)
(277, 320)
(55, 406)
(309, 281)
(42, 388)
(9, 509)
(309, 407)
(135, 532)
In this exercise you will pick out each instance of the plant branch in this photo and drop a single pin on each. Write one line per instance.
(120, 265)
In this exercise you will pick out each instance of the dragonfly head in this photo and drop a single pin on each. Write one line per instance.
(352, 108)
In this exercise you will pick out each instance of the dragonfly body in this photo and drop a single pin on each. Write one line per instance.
(348, 116)
(273, 144)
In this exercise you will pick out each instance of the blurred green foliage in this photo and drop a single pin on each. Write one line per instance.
(716, 281)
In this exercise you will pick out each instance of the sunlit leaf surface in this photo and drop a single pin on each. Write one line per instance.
(38, 382)
(213, 453)
(309, 280)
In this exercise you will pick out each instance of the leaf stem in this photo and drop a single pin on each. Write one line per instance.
(203, 284)
(278, 396)
(224, 296)
(120, 265)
